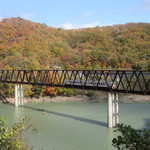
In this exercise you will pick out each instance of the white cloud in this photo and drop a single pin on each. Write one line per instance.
(75, 26)
(68, 26)
(27, 16)
(1, 18)
(90, 25)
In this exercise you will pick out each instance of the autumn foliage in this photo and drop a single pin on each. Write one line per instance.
(28, 45)
(50, 91)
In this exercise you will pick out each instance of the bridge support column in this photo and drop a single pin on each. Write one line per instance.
(112, 110)
(19, 97)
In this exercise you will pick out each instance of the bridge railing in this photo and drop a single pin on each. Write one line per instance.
(127, 81)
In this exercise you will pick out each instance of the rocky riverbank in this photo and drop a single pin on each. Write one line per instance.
(100, 97)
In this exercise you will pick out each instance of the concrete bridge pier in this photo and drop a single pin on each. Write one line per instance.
(112, 110)
(19, 96)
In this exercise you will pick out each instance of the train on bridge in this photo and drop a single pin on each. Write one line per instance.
(91, 83)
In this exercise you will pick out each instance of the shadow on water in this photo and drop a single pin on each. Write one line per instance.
(95, 122)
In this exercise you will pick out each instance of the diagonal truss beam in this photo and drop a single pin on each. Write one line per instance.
(127, 81)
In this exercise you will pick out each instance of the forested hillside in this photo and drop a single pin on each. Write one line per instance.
(28, 45)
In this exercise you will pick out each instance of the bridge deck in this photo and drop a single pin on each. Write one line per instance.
(128, 81)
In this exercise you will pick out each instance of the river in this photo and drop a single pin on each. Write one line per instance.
(76, 125)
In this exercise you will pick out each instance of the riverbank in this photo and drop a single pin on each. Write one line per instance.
(99, 97)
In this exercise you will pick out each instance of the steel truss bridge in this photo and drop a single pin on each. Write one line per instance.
(126, 81)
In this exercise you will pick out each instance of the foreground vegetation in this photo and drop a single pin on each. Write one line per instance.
(132, 139)
(15, 137)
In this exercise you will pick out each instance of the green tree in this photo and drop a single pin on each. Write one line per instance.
(132, 139)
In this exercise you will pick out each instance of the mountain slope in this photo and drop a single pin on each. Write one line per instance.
(28, 45)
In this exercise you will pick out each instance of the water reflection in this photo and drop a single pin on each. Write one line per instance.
(18, 113)
(111, 135)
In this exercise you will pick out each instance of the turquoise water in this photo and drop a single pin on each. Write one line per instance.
(76, 125)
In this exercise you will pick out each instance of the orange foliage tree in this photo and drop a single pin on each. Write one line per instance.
(50, 91)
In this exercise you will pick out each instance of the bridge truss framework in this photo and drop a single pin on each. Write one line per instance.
(126, 81)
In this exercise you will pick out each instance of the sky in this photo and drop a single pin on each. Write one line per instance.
(74, 14)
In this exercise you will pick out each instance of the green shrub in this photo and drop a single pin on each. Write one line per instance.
(27, 90)
(7, 90)
(37, 91)
(13, 138)
(91, 93)
(65, 91)
(132, 139)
